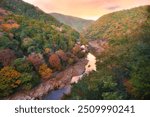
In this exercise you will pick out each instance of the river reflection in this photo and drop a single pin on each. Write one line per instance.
(91, 66)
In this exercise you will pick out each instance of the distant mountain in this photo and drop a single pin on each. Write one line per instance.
(77, 23)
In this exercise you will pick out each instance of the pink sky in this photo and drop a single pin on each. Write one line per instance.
(88, 9)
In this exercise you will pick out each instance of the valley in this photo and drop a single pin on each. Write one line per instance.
(74, 22)
(54, 56)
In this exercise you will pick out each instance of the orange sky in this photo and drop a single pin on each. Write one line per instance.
(88, 9)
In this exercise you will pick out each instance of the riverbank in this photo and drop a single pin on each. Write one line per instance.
(60, 93)
(64, 78)
(61, 80)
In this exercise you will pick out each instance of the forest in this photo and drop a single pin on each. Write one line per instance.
(34, 46)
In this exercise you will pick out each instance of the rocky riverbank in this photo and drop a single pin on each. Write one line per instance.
(63, 78)
(59, 81)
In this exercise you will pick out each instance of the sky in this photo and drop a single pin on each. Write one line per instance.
(87, 9)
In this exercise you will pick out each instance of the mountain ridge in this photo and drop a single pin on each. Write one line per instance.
(118, 22)
(77, 23)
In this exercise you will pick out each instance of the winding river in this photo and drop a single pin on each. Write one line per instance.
(58, 94)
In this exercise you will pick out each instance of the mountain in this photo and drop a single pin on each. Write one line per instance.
(119, 24)
(78, 24)
(33, 45)
(123, 67)
(22, 8)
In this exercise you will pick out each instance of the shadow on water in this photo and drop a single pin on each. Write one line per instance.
(58, 94)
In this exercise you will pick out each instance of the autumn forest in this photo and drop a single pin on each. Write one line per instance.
(41, 53)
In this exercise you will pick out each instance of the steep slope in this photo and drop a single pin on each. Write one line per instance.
(22, 8)
(77, 23)
(33, 45)
(119, 24)
(123, 68)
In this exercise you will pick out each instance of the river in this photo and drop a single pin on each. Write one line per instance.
(58, 94)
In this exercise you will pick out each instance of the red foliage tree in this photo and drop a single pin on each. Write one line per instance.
(76, 49)
(7, 56)
(128, 85)
(36, 59)
(55, 61)
(62, 55)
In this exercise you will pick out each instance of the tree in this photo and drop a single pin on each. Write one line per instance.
(76, 49)
(45, 72)
(83, 40)
(26, 42)
(55, 61)
(47, 50)
(7, 27)
(7, 42)
(26, 81)
(9, 80)
(7, 56)
(22, 65)
(62, 55)
(36, 60)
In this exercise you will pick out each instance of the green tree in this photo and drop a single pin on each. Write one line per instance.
(22, 65)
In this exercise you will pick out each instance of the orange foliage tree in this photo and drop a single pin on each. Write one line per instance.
(47, 50)
(76, 49)
(62, 55)
(8, 27)
(55, 61)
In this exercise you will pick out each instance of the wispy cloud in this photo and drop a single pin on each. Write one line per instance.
(111, 8)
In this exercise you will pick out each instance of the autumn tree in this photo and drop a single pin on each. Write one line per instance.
(62, 55)
(55, 61)
(47, 50)
(7, 56)
(36, 60)
(76, 49)
(9, 80)
(45, 72)
(10, 24)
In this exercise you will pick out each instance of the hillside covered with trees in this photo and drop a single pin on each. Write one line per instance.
(123, 68)
(33, 45)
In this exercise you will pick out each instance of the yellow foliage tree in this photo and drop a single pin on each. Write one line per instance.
(10, 73)
(9, 80)
(45, 71)
(47, 50)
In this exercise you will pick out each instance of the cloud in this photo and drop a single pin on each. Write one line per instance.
(113, 7)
